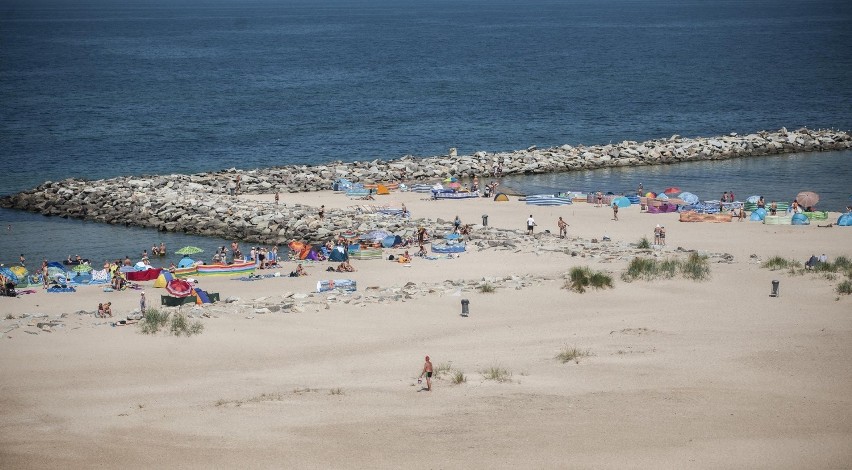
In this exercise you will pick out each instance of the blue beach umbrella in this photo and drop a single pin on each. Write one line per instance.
(6, 272)
(689, 198)
(621, 201)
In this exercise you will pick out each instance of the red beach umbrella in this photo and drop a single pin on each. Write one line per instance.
(672, 190)
(179, 288)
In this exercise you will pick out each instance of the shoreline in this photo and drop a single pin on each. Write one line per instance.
(199, 204)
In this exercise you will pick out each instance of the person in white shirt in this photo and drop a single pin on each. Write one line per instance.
(530, 225)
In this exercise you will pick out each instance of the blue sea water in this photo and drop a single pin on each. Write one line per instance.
(112, 87)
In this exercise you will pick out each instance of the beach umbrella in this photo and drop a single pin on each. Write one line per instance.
(807, 198)
(689, 198)
(375, 235)
(662, 197)
(81, 268)
(8, 274)
(349, 235)
(621, 201)
(189, 250)
(179, 288)
(651, 194)
(753, 199)
(672, 190)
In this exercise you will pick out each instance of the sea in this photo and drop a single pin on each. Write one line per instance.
(102, 88)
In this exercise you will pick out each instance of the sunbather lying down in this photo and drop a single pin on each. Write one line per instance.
(345, 267)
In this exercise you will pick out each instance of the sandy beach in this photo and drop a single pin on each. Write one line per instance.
(680, 374)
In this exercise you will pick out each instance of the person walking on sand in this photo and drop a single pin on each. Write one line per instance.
(663, 235)
(530, 225)
(563, 228)
(599, 199)
(427, 370)
(657, 234)
(614, 211)
(142, 304)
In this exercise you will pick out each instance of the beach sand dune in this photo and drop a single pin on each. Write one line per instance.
(679, 373)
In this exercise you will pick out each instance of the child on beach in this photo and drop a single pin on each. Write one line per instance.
(614, 211)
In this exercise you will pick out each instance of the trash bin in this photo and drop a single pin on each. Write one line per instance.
(485, 220)
(775, 289)
(465, 310)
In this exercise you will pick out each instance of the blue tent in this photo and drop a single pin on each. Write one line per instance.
(845, 220)
(800, 219)
(758, 214)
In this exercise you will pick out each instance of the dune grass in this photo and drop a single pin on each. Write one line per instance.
(643, 244)
(844, 288)
(486, 288)
(572, 353)
(497, 373)
(182, 327)
(696, 267)
(458, 377)
(153, 321)
(580, 278)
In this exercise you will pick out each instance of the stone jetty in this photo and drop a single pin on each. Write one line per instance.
(200, 203)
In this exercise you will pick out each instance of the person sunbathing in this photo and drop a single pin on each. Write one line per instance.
(404, 258)
(300, 271)
(101, 313)
(108, 309)
(345, 267)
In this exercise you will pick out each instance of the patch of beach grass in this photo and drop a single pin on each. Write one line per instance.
(696, 267)
(640, 268)
(153, 321)
(777, 262)
(580, 278)
(844, 288)
(441, 369)
(486, 288)
(643, 244)
(667, 268)
(181, 326)
(458, 377)
(572, 353)
(336, 391)
(497, 373)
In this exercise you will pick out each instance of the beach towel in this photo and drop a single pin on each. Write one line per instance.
(56, 289)
(100, 277)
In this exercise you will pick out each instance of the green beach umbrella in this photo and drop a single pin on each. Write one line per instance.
(189, 250)
(81, 268)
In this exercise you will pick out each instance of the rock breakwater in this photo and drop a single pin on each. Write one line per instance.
(200, 203)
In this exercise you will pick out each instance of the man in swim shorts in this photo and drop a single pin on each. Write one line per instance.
(427, 370)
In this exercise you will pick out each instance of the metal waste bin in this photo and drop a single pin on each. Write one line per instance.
(465, 310)
(775, 289)
(485, 220)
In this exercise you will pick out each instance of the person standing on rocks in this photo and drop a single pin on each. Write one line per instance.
(238, 184)
(563, 228)
(322, 212)
(232, 188)
(530, 225)
(277, 196)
